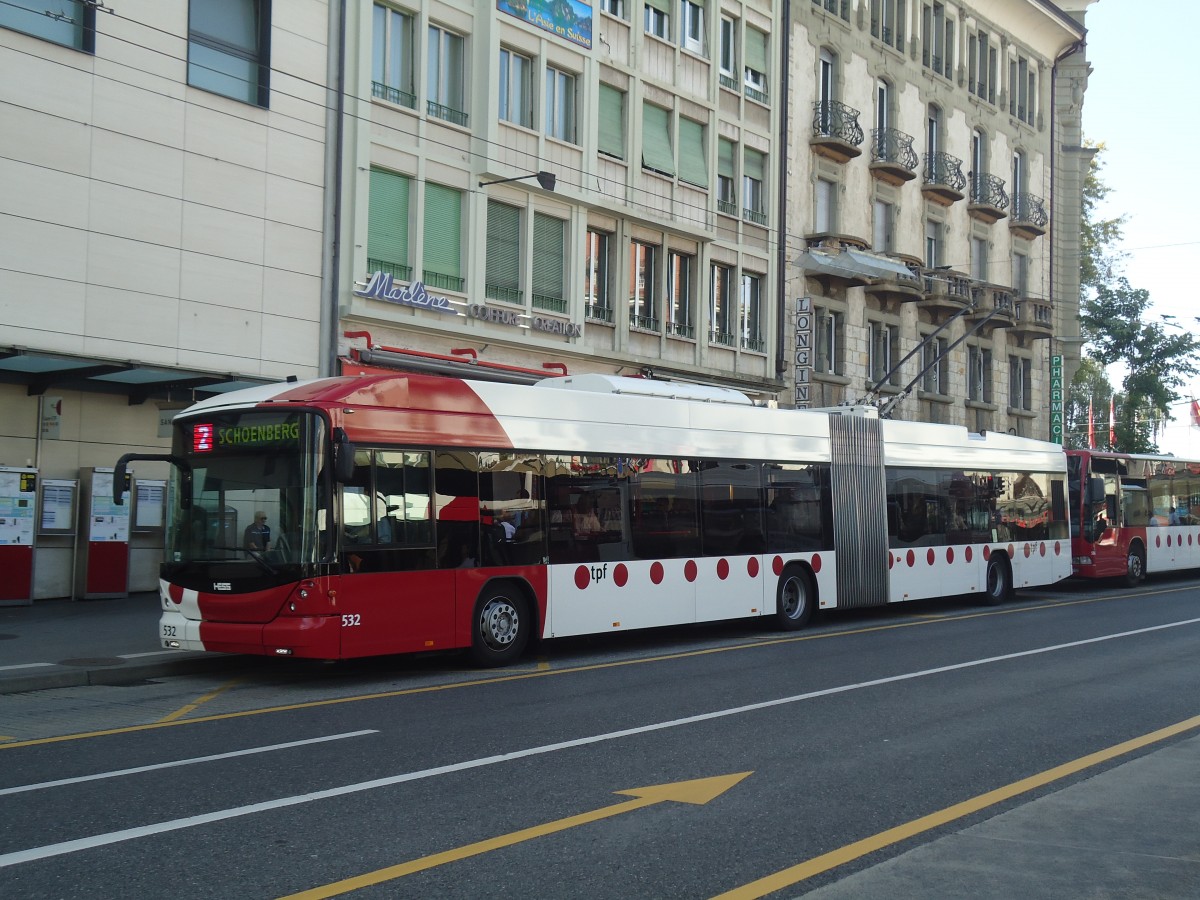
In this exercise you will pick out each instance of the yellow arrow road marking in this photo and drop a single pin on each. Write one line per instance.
(184, 710)
(698, 792)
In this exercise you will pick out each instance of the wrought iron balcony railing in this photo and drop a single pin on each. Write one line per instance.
(449, 113)
(893, 146)
(393, 95)
(724, 338)
(988, 190)
(547, 302)
(442, 281)
(681, 329)
(942, 168)
(598, 312)
(646, 323)
(832, 118)
(1029, 208)
(756, 344)
(399, 271)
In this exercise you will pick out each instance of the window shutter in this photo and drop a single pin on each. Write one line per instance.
(548, 256)
(756, 50)
(504, 246)
(611, 139)
(656, 139)
(443, 230)
(693, 155)
(753, 165)
(387, 218)
(725, 158)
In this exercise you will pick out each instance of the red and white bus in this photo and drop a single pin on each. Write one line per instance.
(1132, 514)
(415, 512)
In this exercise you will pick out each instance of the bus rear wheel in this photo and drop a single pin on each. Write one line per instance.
(794, 599)
(999, 587)
(1135, 566)
(500, 627)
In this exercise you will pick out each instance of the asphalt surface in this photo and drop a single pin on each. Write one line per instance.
(1131, 830)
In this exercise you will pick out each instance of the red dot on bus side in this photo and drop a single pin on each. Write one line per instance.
(621, 575)
(1028, 550)
(1042, 549)
(723, 568)
(689, 570)
(777, 565)
(1057, 548)
(1158, 540)
(816, 562)
(1012, 552)
(987, 551)
(968, 553)
(752, 567)
(912, 559)
(949, 554)
(930, 556)
(1189, 540)
(656, 573)
(582, 577)
(891, 560)
(1168, 540)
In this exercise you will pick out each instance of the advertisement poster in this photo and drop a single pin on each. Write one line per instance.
(18, 491)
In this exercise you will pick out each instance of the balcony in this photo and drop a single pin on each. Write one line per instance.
(993, 306)
(393, 95)
(836, 132)
(893, 160)
(944, 179)
(945, 291)
(904, 283)
(989, 200)
(1028, 217)
(1032, 318)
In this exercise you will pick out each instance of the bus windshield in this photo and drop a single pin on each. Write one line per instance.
(255, 492)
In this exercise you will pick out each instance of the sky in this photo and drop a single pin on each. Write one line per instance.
(1137, 104)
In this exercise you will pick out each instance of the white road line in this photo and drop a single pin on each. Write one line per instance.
(118, 773)
(24, 666)
(114, 837)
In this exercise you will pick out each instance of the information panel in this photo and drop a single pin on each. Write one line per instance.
(58, 506)
(18, 493)
(149, 511)
(107, 522)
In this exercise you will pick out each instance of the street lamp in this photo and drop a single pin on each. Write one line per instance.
(545, 179)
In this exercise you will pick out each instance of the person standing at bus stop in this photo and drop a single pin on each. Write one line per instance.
(258, 533)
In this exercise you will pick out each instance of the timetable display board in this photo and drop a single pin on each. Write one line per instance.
(57, 511)
(107, 522)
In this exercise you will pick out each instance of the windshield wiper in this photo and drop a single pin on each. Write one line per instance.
(256, 555)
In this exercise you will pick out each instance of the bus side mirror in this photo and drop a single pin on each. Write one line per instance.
(343, 456)
(1095, 490)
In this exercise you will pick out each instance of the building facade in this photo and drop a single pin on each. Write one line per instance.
(815, 202)
(929, 134)
(161, 230)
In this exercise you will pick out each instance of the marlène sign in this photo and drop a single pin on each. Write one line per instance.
(382, 287)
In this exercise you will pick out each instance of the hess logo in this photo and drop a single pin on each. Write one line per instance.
(222, 586)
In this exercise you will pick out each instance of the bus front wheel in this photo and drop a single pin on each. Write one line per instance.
(999, 581)
(501, 625)
(794, 599)
(1135, 566)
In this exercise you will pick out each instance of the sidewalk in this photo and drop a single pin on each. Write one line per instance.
(67, 643)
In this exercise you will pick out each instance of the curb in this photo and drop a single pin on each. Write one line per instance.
(62, 676)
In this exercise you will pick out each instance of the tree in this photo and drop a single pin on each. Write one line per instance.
(1113, 323)
(1115, 329)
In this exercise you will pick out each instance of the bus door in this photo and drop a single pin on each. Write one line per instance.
(1103, 523)
(394, 597)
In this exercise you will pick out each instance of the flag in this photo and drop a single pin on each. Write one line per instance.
(1112, 423)
(1196, 413)
(1091, 427)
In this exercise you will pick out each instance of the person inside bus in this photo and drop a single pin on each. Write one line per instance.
(257, 535)
(587, 523)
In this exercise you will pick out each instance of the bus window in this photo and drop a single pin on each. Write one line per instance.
(798, 511)
(456, 508)
(665, 521)
(511, 509)
(587, 507)
(731, 508)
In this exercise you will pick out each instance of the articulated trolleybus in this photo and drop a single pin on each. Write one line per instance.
(410, 512)
(1132, 514)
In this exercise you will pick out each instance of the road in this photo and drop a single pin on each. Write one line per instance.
(678, 763)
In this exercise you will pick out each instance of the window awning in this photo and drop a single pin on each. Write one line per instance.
(856, 266)
(41, 371)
